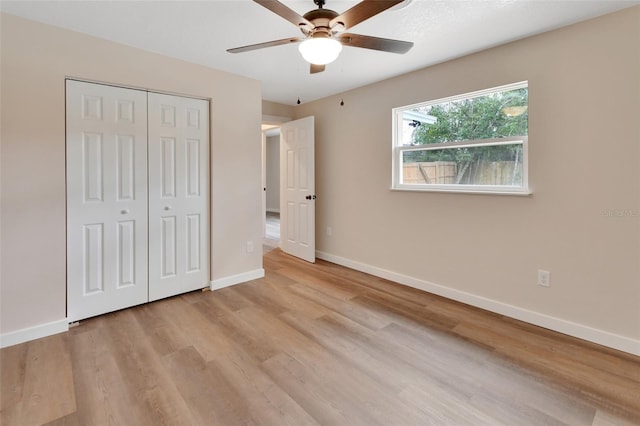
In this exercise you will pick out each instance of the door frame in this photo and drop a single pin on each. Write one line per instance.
(268, 122)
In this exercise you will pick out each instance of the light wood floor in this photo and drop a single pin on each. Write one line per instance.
(314, 344)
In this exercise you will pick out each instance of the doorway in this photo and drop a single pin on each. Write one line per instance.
(296, 177)
(271, 149)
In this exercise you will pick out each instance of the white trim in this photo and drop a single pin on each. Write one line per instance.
(273, 211)
(263, 181)
(570, 328)
(219, 283)
(61, 326)
(33, 333)
(469, 95)
(464, 189)
(472, 143)
(142, 89)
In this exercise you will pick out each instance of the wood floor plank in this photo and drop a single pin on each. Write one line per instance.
(265, 401)
(312, 279)
(154, 392)
(212, 399)
(603, 418)
(314, 344)
(279, 291)
(14, 361)
(402, 313)
(163, 335)
(279, 334)
(47, 389)
(367, 284)
(235, 333)
(591, 381)
(340, 391)
(305, 388)
(440, 407)
(68, 420)
(366, 317)
(102, 396)
(194, 327)
(345, 350)
(229, 300)
(612, 362)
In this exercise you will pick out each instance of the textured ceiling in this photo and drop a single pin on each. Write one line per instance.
(201, 31)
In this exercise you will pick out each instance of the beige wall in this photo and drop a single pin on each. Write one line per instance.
(275, 110)
(584, 139)
(35, 60)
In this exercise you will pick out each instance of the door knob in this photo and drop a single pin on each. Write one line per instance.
(310, 197)
(125, 211)
(167, 208)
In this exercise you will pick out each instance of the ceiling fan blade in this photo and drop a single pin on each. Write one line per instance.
(284, 12)
(316, 68)
(362, 11)
(375, 43)
(265, 44)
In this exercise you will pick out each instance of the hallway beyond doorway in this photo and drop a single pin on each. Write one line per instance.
(272, 232)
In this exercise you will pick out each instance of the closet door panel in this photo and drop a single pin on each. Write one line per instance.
(106, 199)
(178, 195)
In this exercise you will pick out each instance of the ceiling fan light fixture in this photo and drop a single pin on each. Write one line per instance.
(322, 30)
(320, 50)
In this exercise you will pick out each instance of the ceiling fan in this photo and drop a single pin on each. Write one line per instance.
(323, 31)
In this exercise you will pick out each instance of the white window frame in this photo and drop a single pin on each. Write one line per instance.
(398, 150)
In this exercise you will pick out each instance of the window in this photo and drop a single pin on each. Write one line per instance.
(476, 142)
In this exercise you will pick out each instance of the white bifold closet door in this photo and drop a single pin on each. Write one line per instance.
(137, 197)
(178, 195)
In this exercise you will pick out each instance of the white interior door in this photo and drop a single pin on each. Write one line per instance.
(297, 189)
(106, 199)
(178, 195)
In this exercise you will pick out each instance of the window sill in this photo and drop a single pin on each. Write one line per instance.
(468, 190)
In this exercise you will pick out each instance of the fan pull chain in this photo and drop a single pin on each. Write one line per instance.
(342, 74)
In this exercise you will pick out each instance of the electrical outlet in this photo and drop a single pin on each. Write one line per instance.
(249, 246)
(329, 231)
(544, 278)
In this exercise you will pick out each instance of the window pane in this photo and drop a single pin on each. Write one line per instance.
(489, 116)
(483, 165)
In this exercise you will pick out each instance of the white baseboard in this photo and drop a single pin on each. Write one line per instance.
(61, 326)
(236, 279)
(570, 328)
(273, 211)
(32, 333)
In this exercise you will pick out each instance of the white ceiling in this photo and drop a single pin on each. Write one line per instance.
(201, 31)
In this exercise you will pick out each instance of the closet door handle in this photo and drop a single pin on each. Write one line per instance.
(167, 208)
(125, 211)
